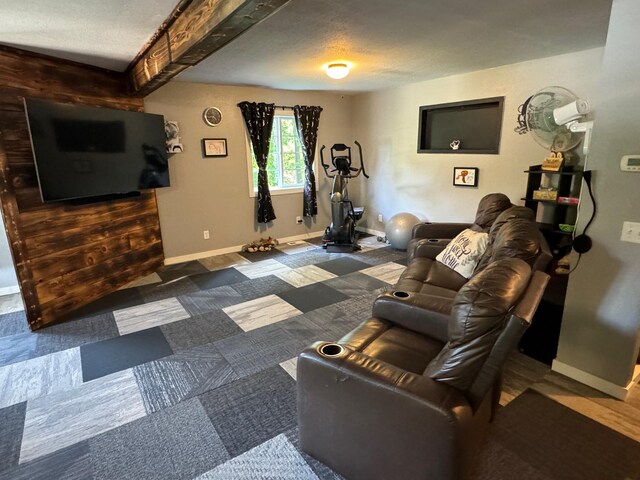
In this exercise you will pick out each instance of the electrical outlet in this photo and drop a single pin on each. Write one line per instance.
(298, 220)
(380, 219)
(630, 232)
(206, 234)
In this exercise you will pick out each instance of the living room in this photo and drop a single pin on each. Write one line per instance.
(151, 296)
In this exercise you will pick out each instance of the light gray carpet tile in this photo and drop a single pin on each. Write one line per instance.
(147, 280)
(70, 463)
(64, 418)
(355, 284)
(309, 258)
(250, 411)
(320, 469)
(258, 349)
(166, 382)
(291, 367)
(199, 330)
(275, 458)
(149, 315)
(205, 301)
(11, 425)
(171, 288)
(260, 312)
(261, 287)
(370, 243)
(11, 303)
(219, 262)
(300, 246)
(177, 443)
(13, 323)
(262, 268)
(40, 376)
(388, 272)
(303, 276)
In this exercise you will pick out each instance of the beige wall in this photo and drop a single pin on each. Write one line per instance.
(213, 193)
(386, 123)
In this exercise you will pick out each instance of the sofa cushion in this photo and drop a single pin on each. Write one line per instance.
(463, 252)
(489, 208)
(478, 316)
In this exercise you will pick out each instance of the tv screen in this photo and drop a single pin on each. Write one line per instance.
(91, 152)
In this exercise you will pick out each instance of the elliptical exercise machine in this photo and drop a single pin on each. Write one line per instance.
(342, 231)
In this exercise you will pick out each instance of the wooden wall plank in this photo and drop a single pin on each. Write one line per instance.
(67, 255)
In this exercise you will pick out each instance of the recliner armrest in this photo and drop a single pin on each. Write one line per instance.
(438, 230)
(419, 423)
(426, 247)
(422, 313)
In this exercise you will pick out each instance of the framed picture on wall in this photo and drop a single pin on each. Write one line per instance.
(214, 147)
(465, 176)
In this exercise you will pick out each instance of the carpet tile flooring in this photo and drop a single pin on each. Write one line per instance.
(189, 372)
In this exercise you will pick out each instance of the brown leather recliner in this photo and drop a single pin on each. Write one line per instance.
(439, 234)
(396, 400)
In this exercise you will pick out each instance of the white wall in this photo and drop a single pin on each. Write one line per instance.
(386, 123)
(8, 279)
(213, 193)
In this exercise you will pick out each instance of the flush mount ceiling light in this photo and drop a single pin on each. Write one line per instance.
(337, 70)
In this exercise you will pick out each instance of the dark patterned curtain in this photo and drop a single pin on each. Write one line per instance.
(307, 120)
(258, 118)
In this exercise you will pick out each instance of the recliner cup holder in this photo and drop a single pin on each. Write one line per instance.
(434, 240)
(331, 350)
(400, 294)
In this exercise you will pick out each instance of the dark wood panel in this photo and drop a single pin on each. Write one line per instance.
(67, 255)
(192, 33)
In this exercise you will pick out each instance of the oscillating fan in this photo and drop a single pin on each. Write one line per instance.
(551, 115)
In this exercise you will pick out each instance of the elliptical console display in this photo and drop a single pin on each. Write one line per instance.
(342, 231)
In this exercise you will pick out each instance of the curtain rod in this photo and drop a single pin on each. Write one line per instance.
(284, 107)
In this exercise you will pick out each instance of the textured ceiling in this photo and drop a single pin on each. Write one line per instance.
(104, 33)
(392, 42)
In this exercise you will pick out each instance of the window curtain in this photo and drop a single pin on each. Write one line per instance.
(307, 120)
(258, 117)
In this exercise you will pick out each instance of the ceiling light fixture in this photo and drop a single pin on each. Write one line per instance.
(337, 70)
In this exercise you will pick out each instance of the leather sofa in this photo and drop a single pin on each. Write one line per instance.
(405, 399)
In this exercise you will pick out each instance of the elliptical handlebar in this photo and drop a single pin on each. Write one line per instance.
(343, 147)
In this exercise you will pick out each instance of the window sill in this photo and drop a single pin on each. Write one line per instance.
(279, 191)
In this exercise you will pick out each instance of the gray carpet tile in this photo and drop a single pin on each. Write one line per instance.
(205, 301)
(173, 272)
(200, 329)
(172, 288)
(355, 284)
(116, 354)
(261, 287)
(343, 266)
(70, 463)
(129, 297)
(258, 256)
(218, 278)
(12, 423)
(168, 381)
(308, 258)
(320, 469)
(13, 323)
(275, 458)
(258, 349)
(252, 410)
(312, 296)
(382, 255)
(55, 338)
(177, 443)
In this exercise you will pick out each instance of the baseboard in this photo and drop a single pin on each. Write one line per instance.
(233, 249)
(371, 231)
(9, 290)
(616, 391)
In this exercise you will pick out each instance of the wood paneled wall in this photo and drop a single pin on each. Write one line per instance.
(67, 255)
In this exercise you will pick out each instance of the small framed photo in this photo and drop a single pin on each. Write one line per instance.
(214, 147)
(465, 176)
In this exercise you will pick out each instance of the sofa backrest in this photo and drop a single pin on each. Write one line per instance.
(489, 208)
(479, 314)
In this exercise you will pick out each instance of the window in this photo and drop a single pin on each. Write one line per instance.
(285, 165)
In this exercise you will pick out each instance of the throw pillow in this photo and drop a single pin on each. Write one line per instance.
(463, 253)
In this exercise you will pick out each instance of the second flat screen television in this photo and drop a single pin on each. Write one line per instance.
(91, 152)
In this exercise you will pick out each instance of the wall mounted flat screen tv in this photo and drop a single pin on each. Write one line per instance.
(94, 152)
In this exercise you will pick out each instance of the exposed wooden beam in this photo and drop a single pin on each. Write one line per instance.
(193, 31)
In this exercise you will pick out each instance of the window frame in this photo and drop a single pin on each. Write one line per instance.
(274, 190)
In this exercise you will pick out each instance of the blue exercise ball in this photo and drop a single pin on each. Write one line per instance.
(398, 229)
